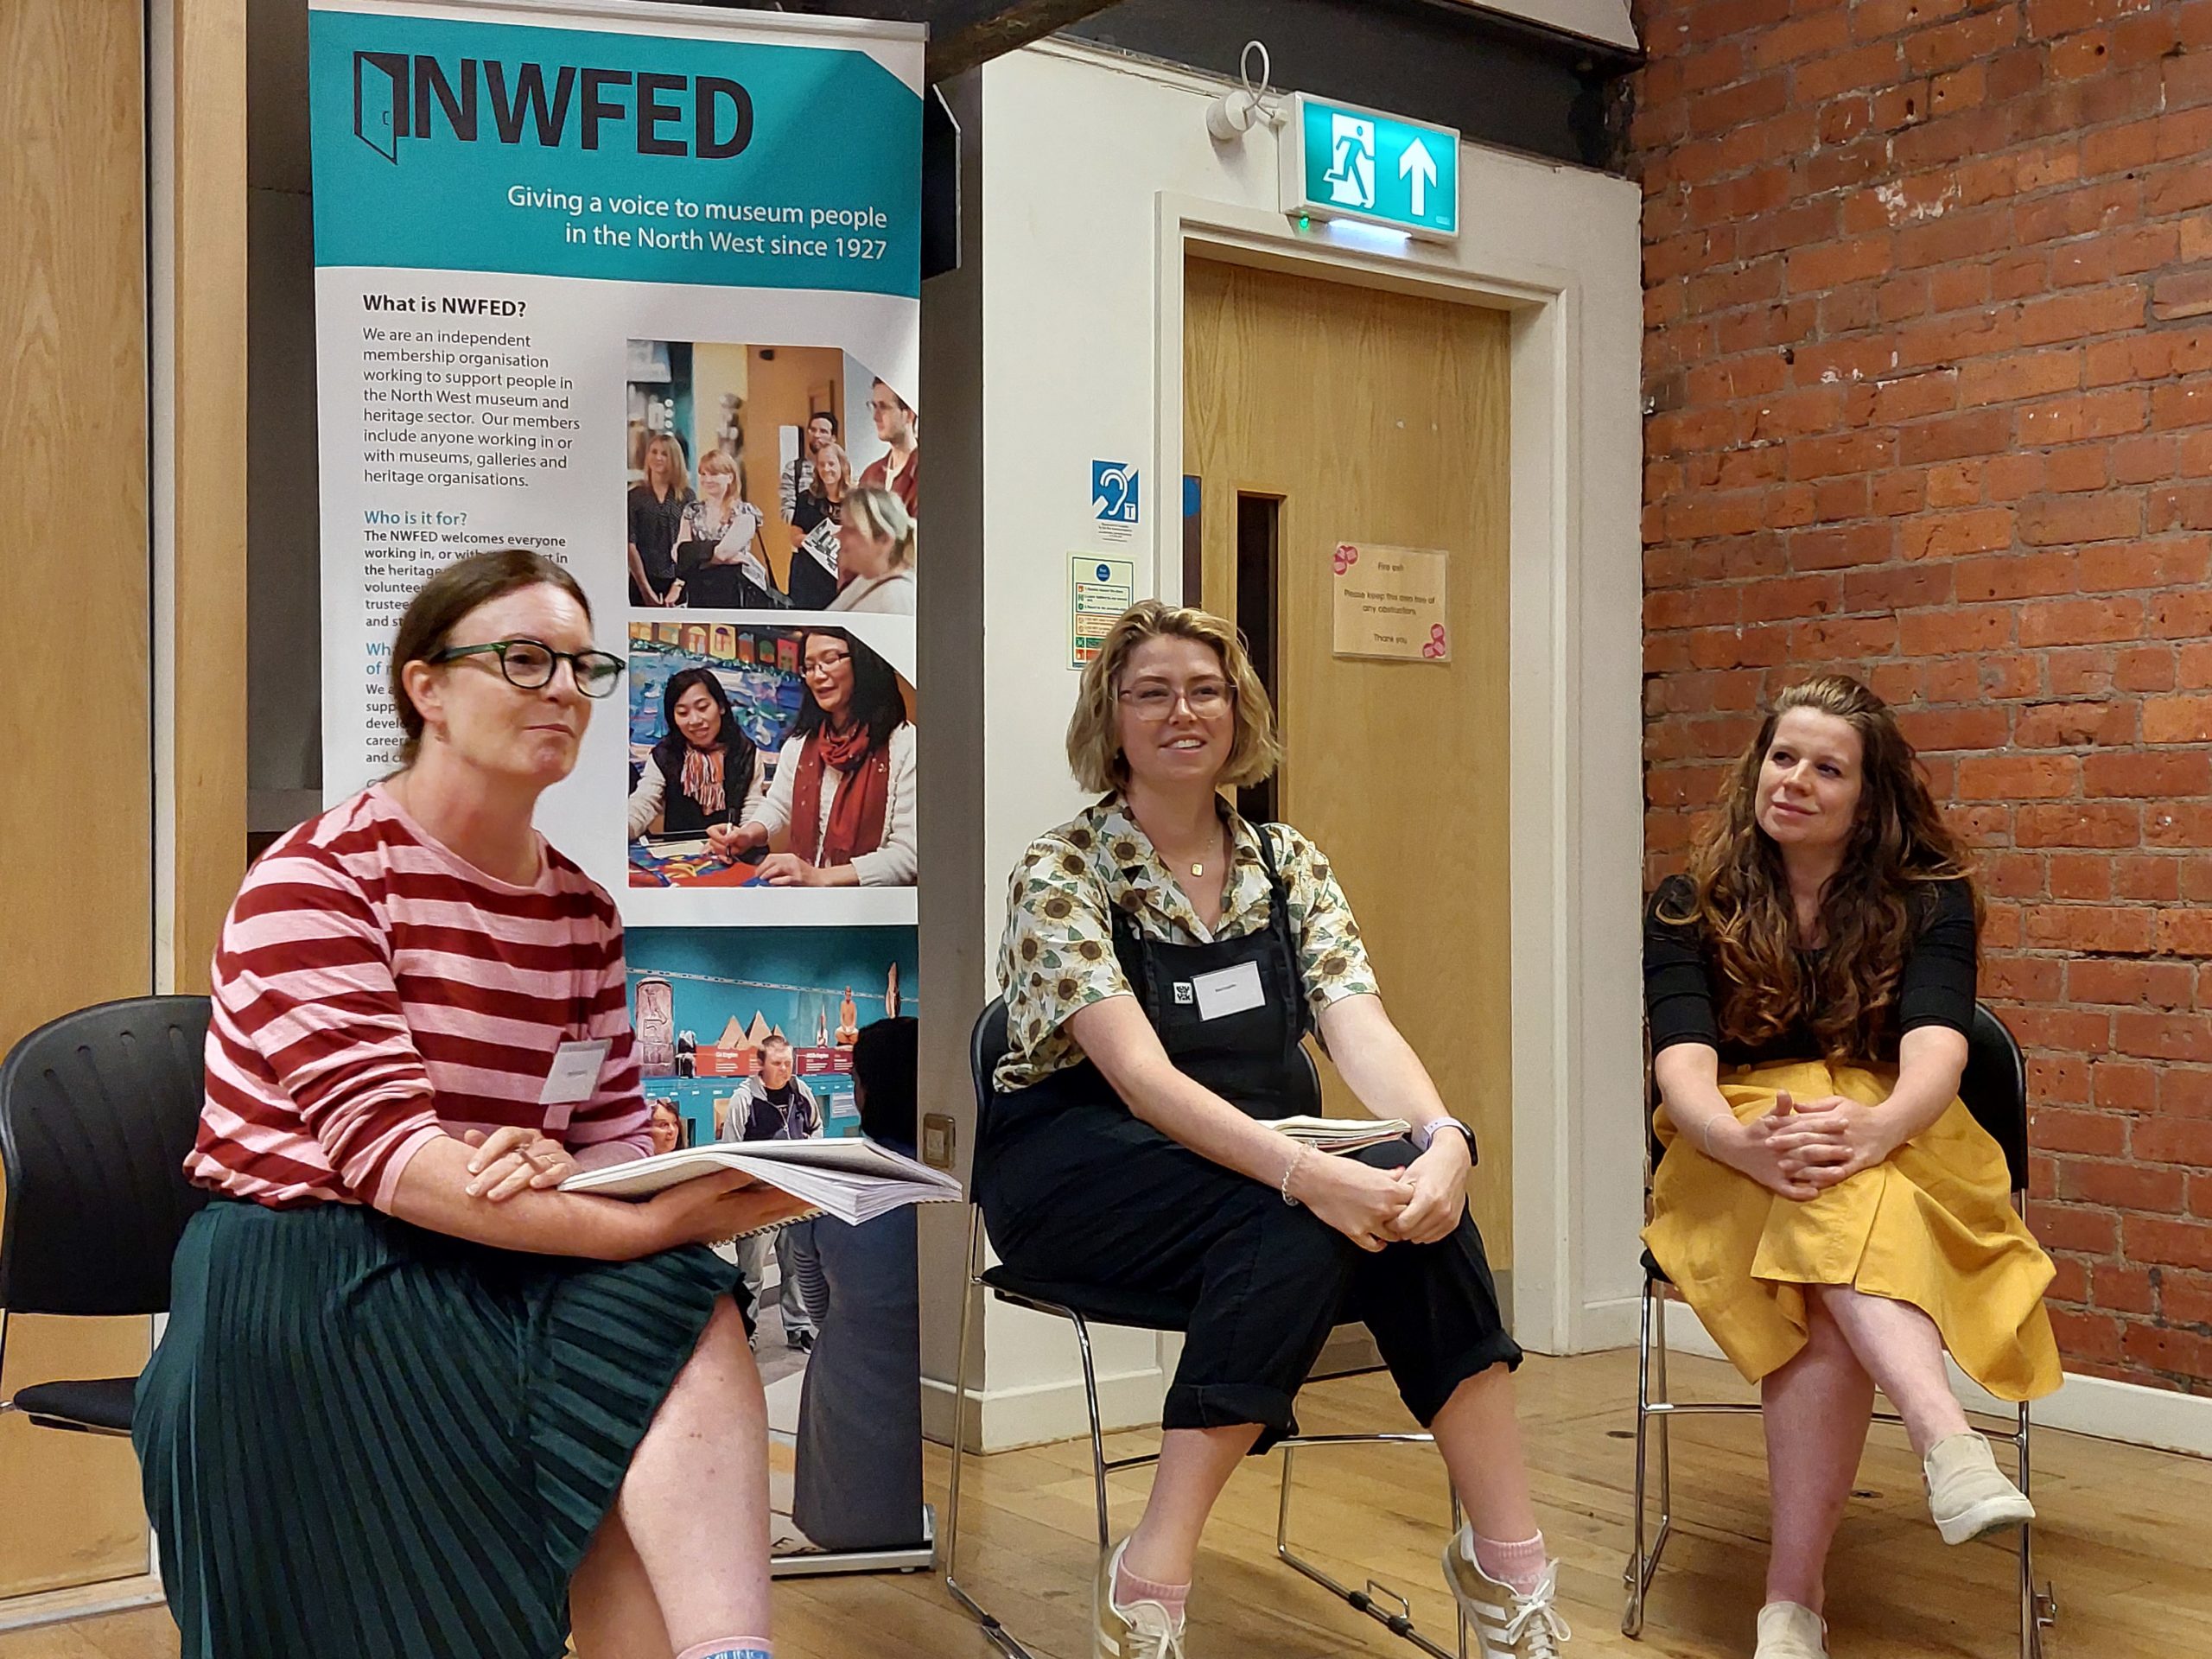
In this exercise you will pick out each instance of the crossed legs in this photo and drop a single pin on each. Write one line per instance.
(1816, 1409)
(682, 1556)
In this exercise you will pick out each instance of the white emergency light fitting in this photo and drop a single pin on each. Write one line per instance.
(1236, 112)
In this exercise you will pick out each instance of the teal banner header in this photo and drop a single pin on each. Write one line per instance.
(444, 145)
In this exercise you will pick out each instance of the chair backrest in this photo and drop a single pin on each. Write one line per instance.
(1995, 1090)
(987, 1046)
(98, 1111)
(1306, 1087)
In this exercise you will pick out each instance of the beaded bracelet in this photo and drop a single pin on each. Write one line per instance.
(1296, 1158)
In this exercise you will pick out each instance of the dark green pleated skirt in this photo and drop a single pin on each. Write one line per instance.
(364, 1440)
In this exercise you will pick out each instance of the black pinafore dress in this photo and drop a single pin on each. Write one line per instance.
(1077, 1189)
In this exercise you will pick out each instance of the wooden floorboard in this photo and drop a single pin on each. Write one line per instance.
(2126, 1536)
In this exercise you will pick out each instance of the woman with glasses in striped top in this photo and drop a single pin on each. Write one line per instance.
(412, 1398)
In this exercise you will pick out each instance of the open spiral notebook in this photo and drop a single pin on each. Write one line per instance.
(850, 1179)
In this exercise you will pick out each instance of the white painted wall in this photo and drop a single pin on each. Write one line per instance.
(1093, 169)
(1594, 20)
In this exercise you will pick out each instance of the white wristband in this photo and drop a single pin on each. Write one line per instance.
(1424, 1134)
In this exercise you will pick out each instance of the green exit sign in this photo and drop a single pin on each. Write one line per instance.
(1341, 162)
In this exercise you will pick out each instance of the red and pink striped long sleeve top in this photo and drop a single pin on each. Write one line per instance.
(373, 990)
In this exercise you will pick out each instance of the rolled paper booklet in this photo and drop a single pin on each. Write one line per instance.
(848, 1177)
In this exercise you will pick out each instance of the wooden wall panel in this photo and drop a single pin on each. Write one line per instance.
(209, 232)
(77, 813)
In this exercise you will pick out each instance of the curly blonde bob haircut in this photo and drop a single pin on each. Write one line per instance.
(1094, 731)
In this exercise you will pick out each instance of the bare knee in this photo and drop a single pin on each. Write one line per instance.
(1497, 1378)
(722, 1360)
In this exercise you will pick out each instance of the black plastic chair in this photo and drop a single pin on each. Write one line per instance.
(1995, 1088)
(98, 1111)
(1082, 1305)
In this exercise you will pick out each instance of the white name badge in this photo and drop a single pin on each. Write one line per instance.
(575, 1075)
(1228, 990)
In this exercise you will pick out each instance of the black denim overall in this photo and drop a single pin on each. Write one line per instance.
(1078, 1191)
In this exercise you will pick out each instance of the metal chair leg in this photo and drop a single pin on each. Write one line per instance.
(1666, 1422)
(1379, 1602)
(1651, 1428)
(996, 1633)
(1459, 1613)
(1097, 1431)
(1636, 1576)
(2038, 1609)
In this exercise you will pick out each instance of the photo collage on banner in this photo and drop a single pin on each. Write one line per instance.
(639, 291)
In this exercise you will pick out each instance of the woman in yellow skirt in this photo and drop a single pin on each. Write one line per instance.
(1827, 1205)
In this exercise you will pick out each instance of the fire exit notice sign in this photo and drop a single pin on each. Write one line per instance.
(1341, 162)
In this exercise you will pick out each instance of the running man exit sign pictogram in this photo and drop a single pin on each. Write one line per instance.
(1341, 162)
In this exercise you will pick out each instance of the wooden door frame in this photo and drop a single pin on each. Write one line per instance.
(1562, 1300)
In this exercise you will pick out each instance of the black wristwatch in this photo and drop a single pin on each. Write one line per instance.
(1424, 1134)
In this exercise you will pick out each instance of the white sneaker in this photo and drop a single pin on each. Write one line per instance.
(1507, 1624)
(1143, 1630)
(1966, 1493)
(1787, 1630)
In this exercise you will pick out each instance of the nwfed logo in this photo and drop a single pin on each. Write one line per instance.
(400, 95)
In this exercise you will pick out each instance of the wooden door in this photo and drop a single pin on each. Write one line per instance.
(1315, 414)
(76, 817)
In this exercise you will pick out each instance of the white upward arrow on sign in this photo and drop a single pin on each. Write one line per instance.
(1420, 167)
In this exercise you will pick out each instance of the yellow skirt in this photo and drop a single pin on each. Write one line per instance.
(1933, 1226)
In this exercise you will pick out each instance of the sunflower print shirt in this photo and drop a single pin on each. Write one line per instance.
(1058, 954)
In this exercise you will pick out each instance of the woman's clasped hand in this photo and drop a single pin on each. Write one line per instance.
(1802, 1148)
(705, 1210)
(512, 1159)
(1417, 1203)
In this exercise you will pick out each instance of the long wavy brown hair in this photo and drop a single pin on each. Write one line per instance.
(1871, 909)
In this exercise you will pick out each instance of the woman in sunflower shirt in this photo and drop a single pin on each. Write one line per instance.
(1163, 958)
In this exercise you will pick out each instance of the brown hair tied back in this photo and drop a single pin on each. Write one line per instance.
(1871, 910)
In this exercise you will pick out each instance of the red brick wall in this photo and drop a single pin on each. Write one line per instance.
(1929, 362)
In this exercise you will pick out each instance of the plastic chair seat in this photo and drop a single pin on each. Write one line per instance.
(101, 1403)
(1100, 1304)
(97, 1110)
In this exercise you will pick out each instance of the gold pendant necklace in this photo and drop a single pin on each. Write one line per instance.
(1198, 869)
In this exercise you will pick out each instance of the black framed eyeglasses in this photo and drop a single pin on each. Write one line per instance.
(529, 665)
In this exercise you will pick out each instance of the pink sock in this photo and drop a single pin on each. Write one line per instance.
(731, 1647)
(1128, 1588)
(1520, 1566)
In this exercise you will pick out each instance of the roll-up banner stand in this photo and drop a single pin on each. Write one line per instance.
(637, 286)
